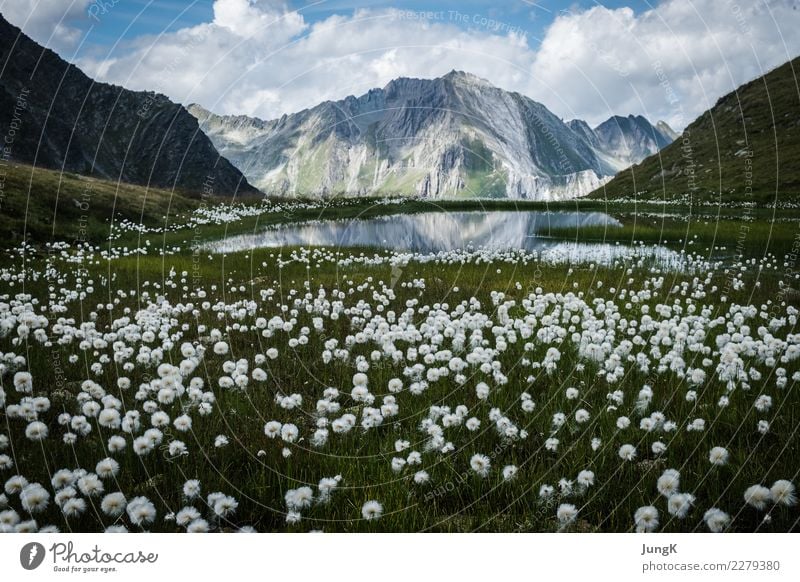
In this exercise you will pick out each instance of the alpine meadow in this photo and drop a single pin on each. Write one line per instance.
(281, 268)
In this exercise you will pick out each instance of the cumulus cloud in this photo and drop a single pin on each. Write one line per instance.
(672, 62)
(262, 59)
(259, 57)
(57, 24)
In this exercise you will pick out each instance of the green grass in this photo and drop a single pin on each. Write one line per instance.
(43, 205)
(453, 502)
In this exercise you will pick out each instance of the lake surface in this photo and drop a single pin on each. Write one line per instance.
(434, 232)
(425, 233)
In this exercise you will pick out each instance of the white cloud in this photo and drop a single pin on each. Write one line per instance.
(57, 24)
(672, 62)
(260, 58)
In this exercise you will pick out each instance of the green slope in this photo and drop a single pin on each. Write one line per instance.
(744, 149)
(42, 205)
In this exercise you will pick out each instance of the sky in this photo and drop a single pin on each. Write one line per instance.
(668, 59)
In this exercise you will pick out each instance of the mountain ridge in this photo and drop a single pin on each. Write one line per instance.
(453, 136)
(62, 119)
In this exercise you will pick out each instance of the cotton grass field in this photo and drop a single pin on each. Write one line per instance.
(149, 384)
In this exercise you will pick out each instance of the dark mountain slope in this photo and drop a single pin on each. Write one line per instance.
(53, 115)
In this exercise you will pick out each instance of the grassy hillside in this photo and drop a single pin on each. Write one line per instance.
(41, 204)
(744, 149)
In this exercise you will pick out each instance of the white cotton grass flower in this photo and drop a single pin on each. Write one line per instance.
(225, 506)
(28, 526)
(73, 507)
(191, 489)
(299, 499)
(9, 518)
(669, 482)
(64, 495)
(15, 484)
(627, 452)
(646, 519)
(566, 514)
(289, 433)
(113, 504)
(293, 517)
(372, 510)
(198, 526)
(559, 419)
(421, 477)
(326, 486)
(679, 504)
(509, 472)
(183, 423)
(141, 511)
(480, 464)
(23, 382)
(272, 429)
(472, 424)
(142, 446)
(757, 496)
(716, 520)
(107, 468)
(186, 515)
(718, 456)
(782, 492)
(36, 431)
(177, 449)
(585, 479)
(658, 448)
(697, 425)
(763, 403)
(34, 498)
(90, 485)
(116, 444)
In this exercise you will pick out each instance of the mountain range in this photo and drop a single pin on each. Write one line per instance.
(54, 116)
(453, 136)
(745, 149)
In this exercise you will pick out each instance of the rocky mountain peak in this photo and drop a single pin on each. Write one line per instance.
(456, 135)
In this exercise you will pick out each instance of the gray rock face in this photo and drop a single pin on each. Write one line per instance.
(457, 135)
(65, 120)
(631, 139)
